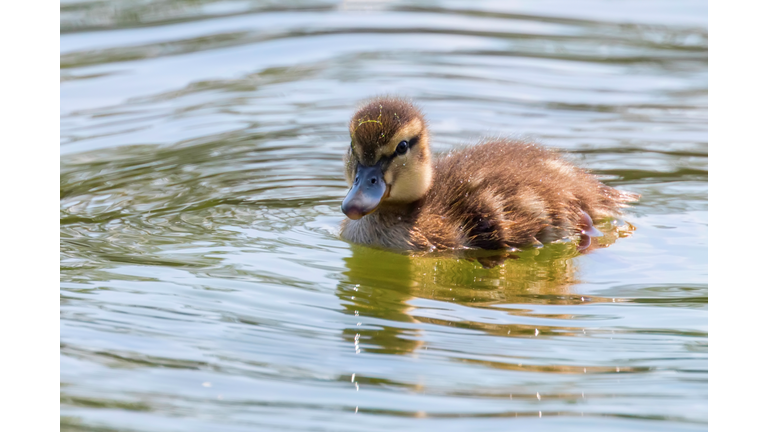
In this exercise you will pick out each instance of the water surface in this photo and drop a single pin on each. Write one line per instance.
(203, 284)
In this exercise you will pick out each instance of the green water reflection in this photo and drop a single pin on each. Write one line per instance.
(381, 284)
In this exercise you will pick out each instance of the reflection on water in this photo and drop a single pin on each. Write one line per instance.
(203, 284)
(381, 284)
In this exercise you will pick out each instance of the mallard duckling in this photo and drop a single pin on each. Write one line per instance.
(499, 194)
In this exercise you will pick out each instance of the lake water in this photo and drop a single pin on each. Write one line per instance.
(203, 283)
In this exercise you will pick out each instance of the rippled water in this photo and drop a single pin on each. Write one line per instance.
(203, 285)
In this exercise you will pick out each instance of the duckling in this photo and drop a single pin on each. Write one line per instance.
(498, 194)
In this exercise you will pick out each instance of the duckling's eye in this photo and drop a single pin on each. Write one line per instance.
(402, 148)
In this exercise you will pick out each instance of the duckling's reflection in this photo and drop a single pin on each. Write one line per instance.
(379, 285)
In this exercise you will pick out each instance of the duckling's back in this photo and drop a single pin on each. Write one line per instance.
(505, 193)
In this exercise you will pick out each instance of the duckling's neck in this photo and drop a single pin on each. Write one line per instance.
(389, 226)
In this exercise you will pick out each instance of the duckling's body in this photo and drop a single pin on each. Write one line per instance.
(498, 194)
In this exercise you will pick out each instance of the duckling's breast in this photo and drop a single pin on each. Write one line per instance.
(380, 229)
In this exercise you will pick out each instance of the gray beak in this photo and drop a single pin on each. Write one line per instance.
(366, 193)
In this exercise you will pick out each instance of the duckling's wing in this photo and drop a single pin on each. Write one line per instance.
(506, 193)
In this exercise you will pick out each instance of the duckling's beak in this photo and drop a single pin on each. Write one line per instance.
(366, 193)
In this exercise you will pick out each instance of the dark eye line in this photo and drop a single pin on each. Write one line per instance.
(386, 160)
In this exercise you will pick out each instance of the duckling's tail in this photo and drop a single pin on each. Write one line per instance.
(613, 201)
(625, 197)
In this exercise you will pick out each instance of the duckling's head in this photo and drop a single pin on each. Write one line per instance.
(388, 161)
